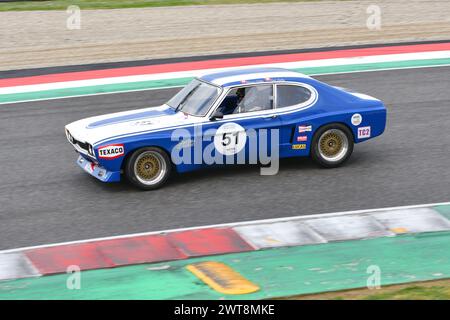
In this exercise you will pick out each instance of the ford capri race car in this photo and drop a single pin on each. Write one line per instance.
(243, 116)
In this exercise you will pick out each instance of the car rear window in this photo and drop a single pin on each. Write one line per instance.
(291, 95)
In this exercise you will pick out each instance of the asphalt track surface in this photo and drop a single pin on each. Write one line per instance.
(46, 198)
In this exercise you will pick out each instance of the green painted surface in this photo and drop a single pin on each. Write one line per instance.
(158, 84)
(279, 272)
(375, 66)
(132, 282)
(84, 91)
(444, 210)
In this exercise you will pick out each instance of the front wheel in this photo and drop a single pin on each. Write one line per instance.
(332, 145)
(148, 168)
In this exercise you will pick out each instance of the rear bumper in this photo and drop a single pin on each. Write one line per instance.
(98, 172)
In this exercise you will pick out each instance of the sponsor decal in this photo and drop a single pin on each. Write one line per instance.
(299, 146)
(356, 119)
(142, 123)
(111, 151)
(302, 138)
(363, 132)
(230, 138)
(304, 128)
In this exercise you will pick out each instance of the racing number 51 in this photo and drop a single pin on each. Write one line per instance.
(226, 139)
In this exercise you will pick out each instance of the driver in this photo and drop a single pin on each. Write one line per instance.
(240, 93)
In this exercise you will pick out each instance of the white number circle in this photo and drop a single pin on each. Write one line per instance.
(230, 138)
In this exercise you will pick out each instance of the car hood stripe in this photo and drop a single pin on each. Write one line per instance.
(130, 117)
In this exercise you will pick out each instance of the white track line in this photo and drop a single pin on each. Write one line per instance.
(176, 86)
(91, 94)
(358, 60)
(233, 224)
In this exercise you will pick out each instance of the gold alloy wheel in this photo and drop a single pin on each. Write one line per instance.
(333, 145)
(149, 167)
(330, 144)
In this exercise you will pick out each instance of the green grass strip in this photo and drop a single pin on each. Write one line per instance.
(279, 272)
(414, 292)
(121, 4)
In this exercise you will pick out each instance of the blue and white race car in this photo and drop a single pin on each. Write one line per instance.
(255, 115)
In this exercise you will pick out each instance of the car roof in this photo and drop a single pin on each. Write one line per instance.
(239, 76)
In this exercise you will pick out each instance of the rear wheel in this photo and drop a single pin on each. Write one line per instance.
(332, 145)
(148, 168)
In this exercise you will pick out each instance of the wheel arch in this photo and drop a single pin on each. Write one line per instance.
(336, 122)
(130, 153)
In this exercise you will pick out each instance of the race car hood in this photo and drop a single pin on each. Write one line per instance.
(95, 130)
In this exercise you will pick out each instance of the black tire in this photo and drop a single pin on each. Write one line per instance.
(332, 145)
(148, 168)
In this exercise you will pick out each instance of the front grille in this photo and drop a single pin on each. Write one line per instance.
(83, 145)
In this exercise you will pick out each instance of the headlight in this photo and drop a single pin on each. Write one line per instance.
(91, 150)
(69, 137)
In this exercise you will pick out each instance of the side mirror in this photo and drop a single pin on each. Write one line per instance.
(216, 115)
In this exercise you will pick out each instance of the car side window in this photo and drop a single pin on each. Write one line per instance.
(290, 95)
(248, 99)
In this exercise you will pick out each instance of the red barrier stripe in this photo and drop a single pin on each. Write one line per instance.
(104, 254)
(220, 63)
(136, 250)
(204, 242)
(57, 259)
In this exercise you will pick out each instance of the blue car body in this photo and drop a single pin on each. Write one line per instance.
(104, 142)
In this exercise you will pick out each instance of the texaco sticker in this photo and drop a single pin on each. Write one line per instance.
(356, 119)
(111, 151)
(230, 138)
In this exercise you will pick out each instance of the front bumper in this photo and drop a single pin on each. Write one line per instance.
(98, 172)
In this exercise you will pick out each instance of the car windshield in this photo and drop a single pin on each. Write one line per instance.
(195, 99)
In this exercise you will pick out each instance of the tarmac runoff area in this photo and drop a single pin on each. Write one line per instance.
(383, 172)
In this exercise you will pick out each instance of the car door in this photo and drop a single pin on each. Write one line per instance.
(293, 102)
(248, 123)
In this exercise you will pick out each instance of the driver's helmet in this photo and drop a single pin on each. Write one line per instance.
(240, 93)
